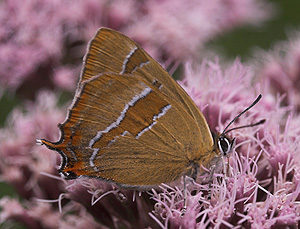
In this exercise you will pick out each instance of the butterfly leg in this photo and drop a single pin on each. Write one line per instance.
(184, 196)
(224, 168)
(212, 171)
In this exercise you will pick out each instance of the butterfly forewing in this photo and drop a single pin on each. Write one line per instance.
(111, 51)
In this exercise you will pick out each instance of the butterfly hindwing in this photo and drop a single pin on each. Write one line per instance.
(132, 137)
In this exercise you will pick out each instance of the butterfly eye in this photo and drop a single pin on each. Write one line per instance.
(225, 145)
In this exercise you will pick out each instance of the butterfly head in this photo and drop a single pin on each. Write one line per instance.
(225, 145)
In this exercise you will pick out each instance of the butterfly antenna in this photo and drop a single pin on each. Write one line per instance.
(225, 131)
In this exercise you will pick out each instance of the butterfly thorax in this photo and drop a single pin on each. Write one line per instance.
(212, 158)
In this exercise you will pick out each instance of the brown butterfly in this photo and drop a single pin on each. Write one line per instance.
(131, 123)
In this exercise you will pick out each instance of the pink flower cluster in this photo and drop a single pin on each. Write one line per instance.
(41, 46)
(263, 189)
(279, 69)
